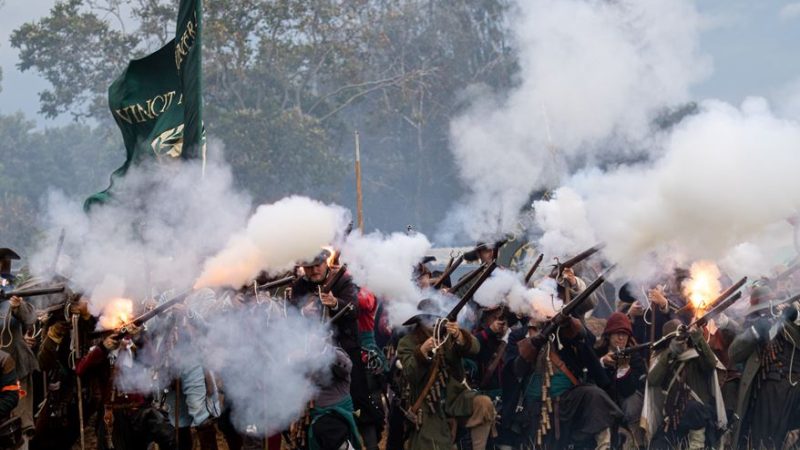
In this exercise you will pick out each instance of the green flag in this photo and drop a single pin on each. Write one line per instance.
(157, 101)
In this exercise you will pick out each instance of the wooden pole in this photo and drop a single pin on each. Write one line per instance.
(359, 192)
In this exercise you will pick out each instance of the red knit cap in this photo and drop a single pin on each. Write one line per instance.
(618, 323)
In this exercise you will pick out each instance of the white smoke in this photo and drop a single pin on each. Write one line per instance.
(385, 265)
(267, 366)
(154, 234)
(593, 75)
(277, 236)
(725, 181)
(507, 287)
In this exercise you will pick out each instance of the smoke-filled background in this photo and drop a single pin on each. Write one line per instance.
(549, 88)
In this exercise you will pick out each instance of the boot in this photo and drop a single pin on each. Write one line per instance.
(207, 435)
(480, 435)
(697, 439)
(603, 439)
(185, 441)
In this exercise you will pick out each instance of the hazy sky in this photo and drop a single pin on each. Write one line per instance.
(752, 42)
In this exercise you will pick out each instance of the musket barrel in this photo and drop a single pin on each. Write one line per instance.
(453, 314)
(279, 283)
(31, 292)
(535, 266)
(448, 271)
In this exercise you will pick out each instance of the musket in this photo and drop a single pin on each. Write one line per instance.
(720, 298)
(452, 316)
(125, 329)
(773, 303)
(433, 372)
(535, 266)
(559, 268)
(448, 271)
(333, 279)
(552, 325)
(275, 284)
(702, 320)
(327, 287)
(339, 314)
(628, 351)
(5, 295)
(466, 279)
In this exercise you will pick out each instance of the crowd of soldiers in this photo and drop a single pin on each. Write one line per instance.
(623, 367)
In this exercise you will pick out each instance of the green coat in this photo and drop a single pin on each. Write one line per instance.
(434, 433)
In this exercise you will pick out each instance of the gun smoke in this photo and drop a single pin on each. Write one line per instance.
(385, 265)
(593, 75)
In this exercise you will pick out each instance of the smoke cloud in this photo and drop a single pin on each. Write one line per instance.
(385, 265)
(154, 234)
(593, 76)
(276, 237)
(507, 287)
(725, 181)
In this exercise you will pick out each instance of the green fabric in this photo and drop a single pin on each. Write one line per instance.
(156, 102)
(559, 383)
(435, 429)
(344, 409)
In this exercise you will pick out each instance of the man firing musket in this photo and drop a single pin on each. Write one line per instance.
(431, 357)
(553, 383)
(19, 317)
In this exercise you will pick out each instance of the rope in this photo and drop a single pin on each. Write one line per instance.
(791, 360)
(6, 328)
(437, 332)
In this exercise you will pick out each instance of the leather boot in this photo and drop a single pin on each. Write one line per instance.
(207, 435)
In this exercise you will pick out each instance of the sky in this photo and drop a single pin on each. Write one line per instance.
(752, 43)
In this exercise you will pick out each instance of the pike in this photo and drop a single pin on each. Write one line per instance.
(448, 271)
(5, 295)
(535, 266)
(125, 329)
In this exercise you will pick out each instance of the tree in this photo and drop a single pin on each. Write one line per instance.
(287, 82)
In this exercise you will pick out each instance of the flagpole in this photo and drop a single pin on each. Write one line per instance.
(359, 192)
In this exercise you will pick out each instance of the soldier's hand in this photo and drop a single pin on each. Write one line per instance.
(455, 331)
(636, 310)
(30, 340)
(15, 301)
(657, 297)
(569, 275)
(427, 347)
(608, 360)
(328, 300)
(81, 307)
(111, 342)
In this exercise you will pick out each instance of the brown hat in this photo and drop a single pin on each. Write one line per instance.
(618, 323)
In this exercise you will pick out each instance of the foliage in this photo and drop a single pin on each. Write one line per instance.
(288, 81)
